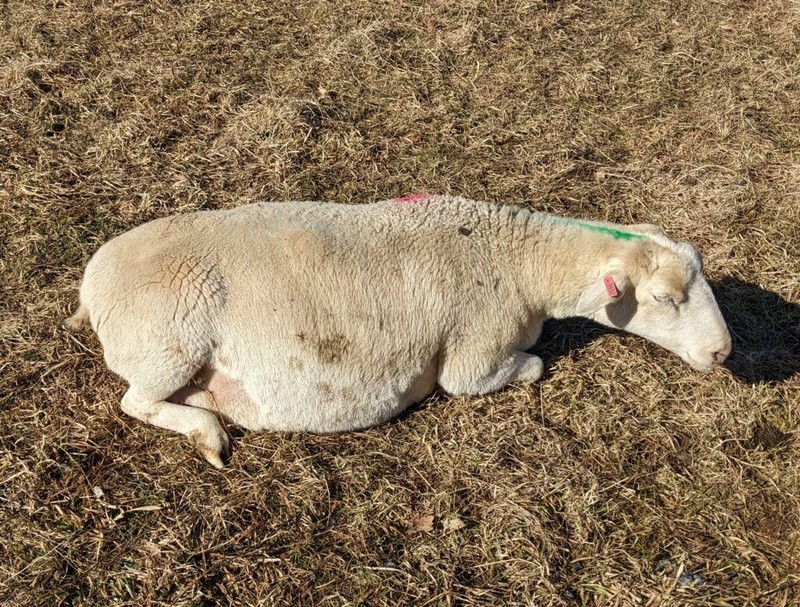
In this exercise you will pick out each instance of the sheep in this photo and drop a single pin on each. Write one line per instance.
(321, 317)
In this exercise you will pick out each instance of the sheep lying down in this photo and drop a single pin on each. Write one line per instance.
(331, 317)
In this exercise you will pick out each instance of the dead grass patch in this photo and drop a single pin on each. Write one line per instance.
(623, 478)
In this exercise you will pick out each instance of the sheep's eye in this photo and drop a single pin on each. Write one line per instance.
(667, 300)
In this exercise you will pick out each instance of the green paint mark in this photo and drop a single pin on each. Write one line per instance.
(613, 232)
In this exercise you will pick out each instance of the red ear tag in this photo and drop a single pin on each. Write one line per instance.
(611, 287)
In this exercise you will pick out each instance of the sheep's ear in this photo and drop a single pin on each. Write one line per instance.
(607, 290)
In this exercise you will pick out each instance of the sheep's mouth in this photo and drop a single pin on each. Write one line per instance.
(696, 364)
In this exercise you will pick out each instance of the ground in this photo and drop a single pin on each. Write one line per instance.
(622, 478)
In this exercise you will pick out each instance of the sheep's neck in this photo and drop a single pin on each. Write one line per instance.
(615, 233)
(560, 257)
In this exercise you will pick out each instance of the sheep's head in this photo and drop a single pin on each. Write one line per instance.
(657, 290)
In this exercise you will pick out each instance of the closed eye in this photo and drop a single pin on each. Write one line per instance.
(666, 300)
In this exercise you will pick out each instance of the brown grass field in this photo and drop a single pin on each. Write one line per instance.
(622, 478)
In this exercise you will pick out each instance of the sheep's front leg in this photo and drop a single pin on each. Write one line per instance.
(199, 425)
(479, 377)
(528, 369)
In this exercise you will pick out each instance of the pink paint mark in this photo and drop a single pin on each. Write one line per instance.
(411, 198)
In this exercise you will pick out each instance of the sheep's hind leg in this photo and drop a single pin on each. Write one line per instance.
(199, 425)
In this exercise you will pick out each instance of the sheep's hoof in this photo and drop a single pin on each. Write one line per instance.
(212, 458)
(213, 444)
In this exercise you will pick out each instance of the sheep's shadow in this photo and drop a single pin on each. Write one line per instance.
(764, 327)
(560, 337)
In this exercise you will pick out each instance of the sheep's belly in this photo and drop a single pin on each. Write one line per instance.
(317, 406)
(215, 391)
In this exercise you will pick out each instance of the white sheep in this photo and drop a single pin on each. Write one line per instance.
(329, 317)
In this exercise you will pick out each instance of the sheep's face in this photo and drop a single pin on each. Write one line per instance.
(667, 300)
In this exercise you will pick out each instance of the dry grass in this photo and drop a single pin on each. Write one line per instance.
(623, 478)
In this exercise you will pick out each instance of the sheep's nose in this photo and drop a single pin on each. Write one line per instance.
(721, 355)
